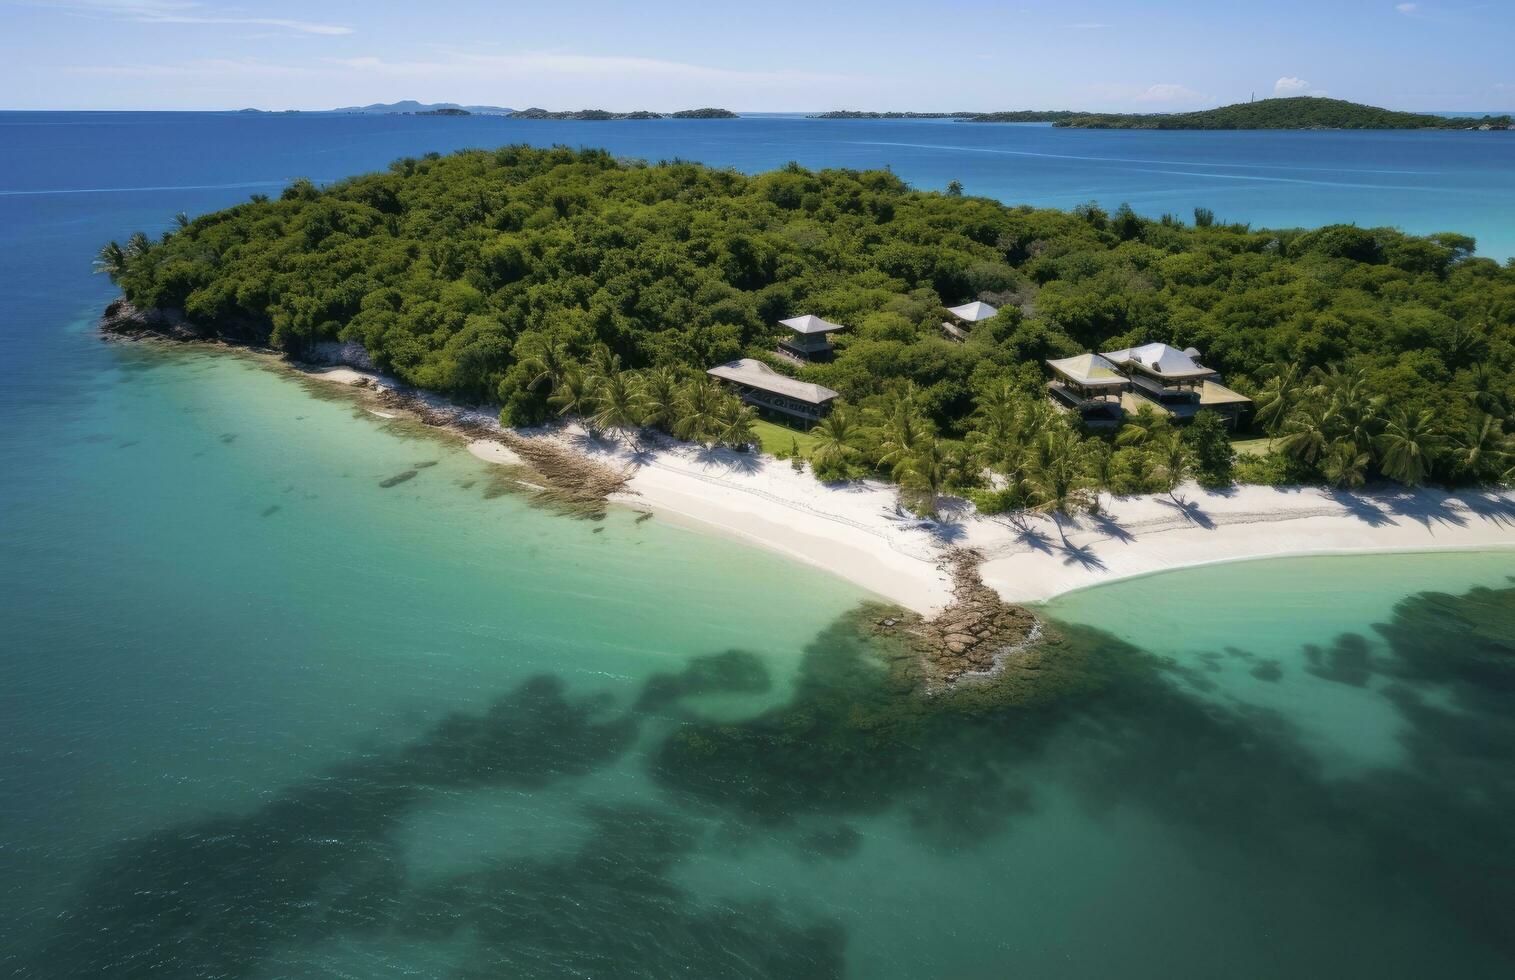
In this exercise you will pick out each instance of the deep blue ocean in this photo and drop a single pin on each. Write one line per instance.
(268, 711)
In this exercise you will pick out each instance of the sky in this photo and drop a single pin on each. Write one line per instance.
(1125, 55)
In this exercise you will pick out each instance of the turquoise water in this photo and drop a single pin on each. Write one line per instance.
(1420, 181)
(261, 716)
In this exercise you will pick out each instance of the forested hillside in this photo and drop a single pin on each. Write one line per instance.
(1295, 112)
(474, 274)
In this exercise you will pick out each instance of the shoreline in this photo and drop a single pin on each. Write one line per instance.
(857, 531)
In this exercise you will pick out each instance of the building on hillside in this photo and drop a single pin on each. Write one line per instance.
(1090, 385)
(767, 390)
(811, 340)
(1154, 376)
(962, 319)
(1174, 381)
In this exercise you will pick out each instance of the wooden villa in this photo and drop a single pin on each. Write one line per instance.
(767, 390)
(1090, 385)
(1175, 382)
(962, 319)
(811, 340)
(1103, 387)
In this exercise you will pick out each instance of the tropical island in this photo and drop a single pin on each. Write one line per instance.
(946, 347)
(411, 107)
(1295, 112)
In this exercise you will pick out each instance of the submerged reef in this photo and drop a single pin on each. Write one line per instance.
(864, 730)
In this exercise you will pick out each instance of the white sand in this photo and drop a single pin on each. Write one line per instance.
(494, 452)
(856, 530)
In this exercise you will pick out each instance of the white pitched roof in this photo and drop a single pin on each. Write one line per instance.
(973, 312)
(811, 324)
(1089, 370)
(756, 374)
(1162, 360)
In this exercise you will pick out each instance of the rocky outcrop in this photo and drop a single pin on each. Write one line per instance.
(122, 319)
(126, 320)
(978, 635)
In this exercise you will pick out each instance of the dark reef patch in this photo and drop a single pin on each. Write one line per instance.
(398, 478)
(864, 732)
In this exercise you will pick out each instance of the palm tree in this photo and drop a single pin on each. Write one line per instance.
(112, 260)
(603, 362)
(616, 405)
(1058, 477)
(1484, 449)
(835, 436)
(1144, 424)
(699, 411)
(1276, 401)
(138, 245)
(999, 422)
(924, 472)
(734, 423)
(1345, 465)
(1408, 446)
(181, 220)
(1306, 436)
(904, 432)
(1174, 459)
(549, 360)
(658, 398)
(574, 394)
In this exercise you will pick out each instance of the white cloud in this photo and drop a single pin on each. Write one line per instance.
(1085, 26)
(1290, 85)
(1167, 95)
(1407, 8)
(181, 12)
(1167, 92)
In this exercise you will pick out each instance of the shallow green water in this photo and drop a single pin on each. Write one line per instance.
(230, 749)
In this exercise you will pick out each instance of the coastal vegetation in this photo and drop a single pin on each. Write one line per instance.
(558, 283)
(1295, 112)
(1017, 115)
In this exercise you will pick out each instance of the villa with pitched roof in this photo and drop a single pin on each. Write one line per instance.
(1103, 387)
(964, 317)
(811, 340)
(766, 389)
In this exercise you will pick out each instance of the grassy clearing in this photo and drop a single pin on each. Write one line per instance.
(776, 439)
(1250, 447)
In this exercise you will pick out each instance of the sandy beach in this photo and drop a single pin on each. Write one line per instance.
(857, 531)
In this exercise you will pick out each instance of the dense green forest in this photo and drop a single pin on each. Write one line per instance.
(1296, 112)
(556, 282)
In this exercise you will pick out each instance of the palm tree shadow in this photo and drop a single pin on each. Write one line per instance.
(1190, 510)
(1111, 528)
(1034, 538)
(729, 458)
(1362, 508)
(1425, 509)
(947, 532)
(1493, 507)
(1082, 555)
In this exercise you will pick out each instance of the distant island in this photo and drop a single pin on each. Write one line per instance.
(603, 115)
(1297, 112)
(856, 114)
(410, 107)
(414, 108)
(1017, 115)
